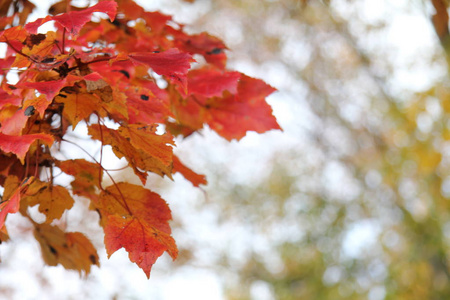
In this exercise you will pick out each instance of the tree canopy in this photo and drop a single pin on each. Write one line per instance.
(129, 79)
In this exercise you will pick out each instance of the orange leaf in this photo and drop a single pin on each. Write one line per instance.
(79, 106)
(70, 249)
(140, 145)
(53, 200)
(86, 176)
(39, 104)
(11, 196)
(194, 178)
(13, 120)
(136, 219)
(36, 50)
(16, 33)
(146, 139)
(3, 236)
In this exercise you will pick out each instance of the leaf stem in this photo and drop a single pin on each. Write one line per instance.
(123, 203)
(19, 51)
(63, 41)
(101, 150)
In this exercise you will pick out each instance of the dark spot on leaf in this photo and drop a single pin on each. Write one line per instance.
(144, 97)
(41, 189)
(127, 75)
(36, 39)
(48, 60)
(12, 87)
(46, 163)
(93, 259)
(156, 51)
(53, 250)
(29, 111)
(216, 51)
(116, 23)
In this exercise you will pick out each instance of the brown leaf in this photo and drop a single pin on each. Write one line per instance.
(53, 200)
(86, 176)
(70, 249)
(440, 18)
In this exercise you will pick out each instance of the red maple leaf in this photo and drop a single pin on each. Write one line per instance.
(239, 110)
(19, 145)
(136, 219)
(73, 21)
(194, 178)
(212, 83)
(171, 63)
(48, 88)
(97, 71)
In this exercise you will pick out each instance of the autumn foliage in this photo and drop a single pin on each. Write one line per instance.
(136, 79)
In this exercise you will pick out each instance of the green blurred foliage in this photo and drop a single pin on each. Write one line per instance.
(359, 209)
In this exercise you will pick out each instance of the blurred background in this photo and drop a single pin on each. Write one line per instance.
(350, 201)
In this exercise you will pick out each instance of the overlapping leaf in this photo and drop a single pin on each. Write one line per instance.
(70, 249)
(136, 219)
(19, 145)
(87, 176)
(242, 107)
(53, 200)
(140, 145)
(107, 69)
(194, 178)
(171, 63)
(11, 196)
(13, 120)
(73, 21)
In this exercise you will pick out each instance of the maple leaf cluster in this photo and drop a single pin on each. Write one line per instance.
(134, 69)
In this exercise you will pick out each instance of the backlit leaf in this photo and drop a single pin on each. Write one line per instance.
(11, 196)
(194, 178)
(171, 63)
(136, 219)
(13, 120)
(79, 106)
(19, 145)
(53, 200)
(73, 21)
(212, 83)
(70, 249)
(140, 145)
(86, 176)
